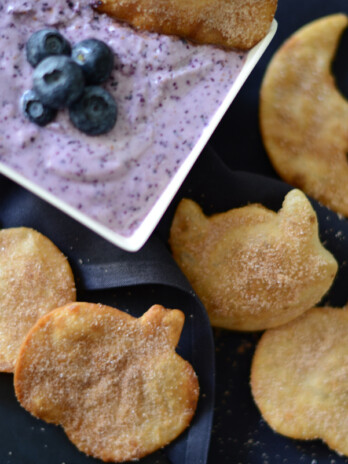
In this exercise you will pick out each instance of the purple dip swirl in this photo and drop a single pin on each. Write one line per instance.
(167, 91)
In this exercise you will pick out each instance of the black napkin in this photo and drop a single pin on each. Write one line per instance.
(131, 282)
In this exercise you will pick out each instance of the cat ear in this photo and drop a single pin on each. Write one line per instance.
(189, 221)
(297, 217)
(159, 321)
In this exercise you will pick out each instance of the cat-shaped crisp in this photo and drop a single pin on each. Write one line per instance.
(114, 382)
(251, 267)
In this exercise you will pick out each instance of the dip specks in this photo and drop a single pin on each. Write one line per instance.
(167, 91)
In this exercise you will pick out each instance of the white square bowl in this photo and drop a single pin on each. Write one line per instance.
(140, 235)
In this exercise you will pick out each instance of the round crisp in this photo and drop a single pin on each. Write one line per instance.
(299, 377)
(114, 382)
(35, 277)
(304, 118)
(253, 268)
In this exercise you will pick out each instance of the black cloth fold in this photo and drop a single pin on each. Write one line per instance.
(131, 282)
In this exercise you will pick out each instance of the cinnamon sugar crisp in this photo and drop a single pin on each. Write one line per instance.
(253, 268)
(35, 277)
(112, 381)
(301, 386)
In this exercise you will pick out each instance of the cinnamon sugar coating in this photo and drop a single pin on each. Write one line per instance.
(237, 24)
(299, 377)
(114, 382)
(251, 267)
(35, 277)
(303, 116)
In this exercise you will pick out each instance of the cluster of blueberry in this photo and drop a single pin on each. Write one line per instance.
(66, 76)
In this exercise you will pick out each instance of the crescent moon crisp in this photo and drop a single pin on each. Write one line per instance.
(230, 23)
(304, 118)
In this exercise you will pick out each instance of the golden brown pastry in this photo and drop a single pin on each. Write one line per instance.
(304, 118)
(251, 267)
(299, 377)
(230, 23)
(35, 277)
(114, 382)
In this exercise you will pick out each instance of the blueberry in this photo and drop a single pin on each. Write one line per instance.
(59, 81)
(35, 110)
(44, 43)
(95, 58)
(95, 113)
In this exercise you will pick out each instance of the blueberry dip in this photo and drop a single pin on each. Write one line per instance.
(167, 91)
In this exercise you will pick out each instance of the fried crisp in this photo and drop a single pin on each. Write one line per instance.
(304, 118)
(114, 382)
(35, 277)
(251, 267)
(299, 377)
(237, 24)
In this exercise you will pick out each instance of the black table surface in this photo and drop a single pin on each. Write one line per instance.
(232, 171)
